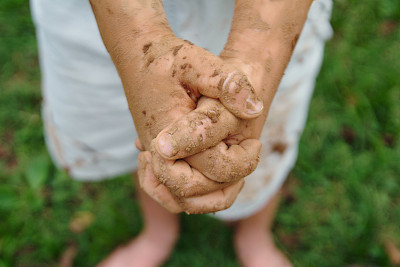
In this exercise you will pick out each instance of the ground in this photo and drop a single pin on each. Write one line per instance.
(341, 204)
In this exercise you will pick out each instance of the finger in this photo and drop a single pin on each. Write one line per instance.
(138, 144)
(181, 179)
(209, 75)
(152, 186)
(223, 163)
(213, 202)
(202, 128)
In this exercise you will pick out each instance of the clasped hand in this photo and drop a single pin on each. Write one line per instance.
(191, 110)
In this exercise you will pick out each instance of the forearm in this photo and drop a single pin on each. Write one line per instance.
(263, 36)
(125, 25)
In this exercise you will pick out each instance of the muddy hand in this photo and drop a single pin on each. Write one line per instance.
(208, 181)
(168, 87)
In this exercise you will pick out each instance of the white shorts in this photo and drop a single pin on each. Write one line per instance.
(89, 130)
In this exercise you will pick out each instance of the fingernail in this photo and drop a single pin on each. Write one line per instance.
(165, 146)
(254, 105)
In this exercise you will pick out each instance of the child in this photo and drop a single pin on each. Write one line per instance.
(89, 129)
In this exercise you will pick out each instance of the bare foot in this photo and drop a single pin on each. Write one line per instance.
(256, 248)
(147, 250)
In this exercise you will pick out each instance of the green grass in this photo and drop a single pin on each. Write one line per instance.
(342, 201)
